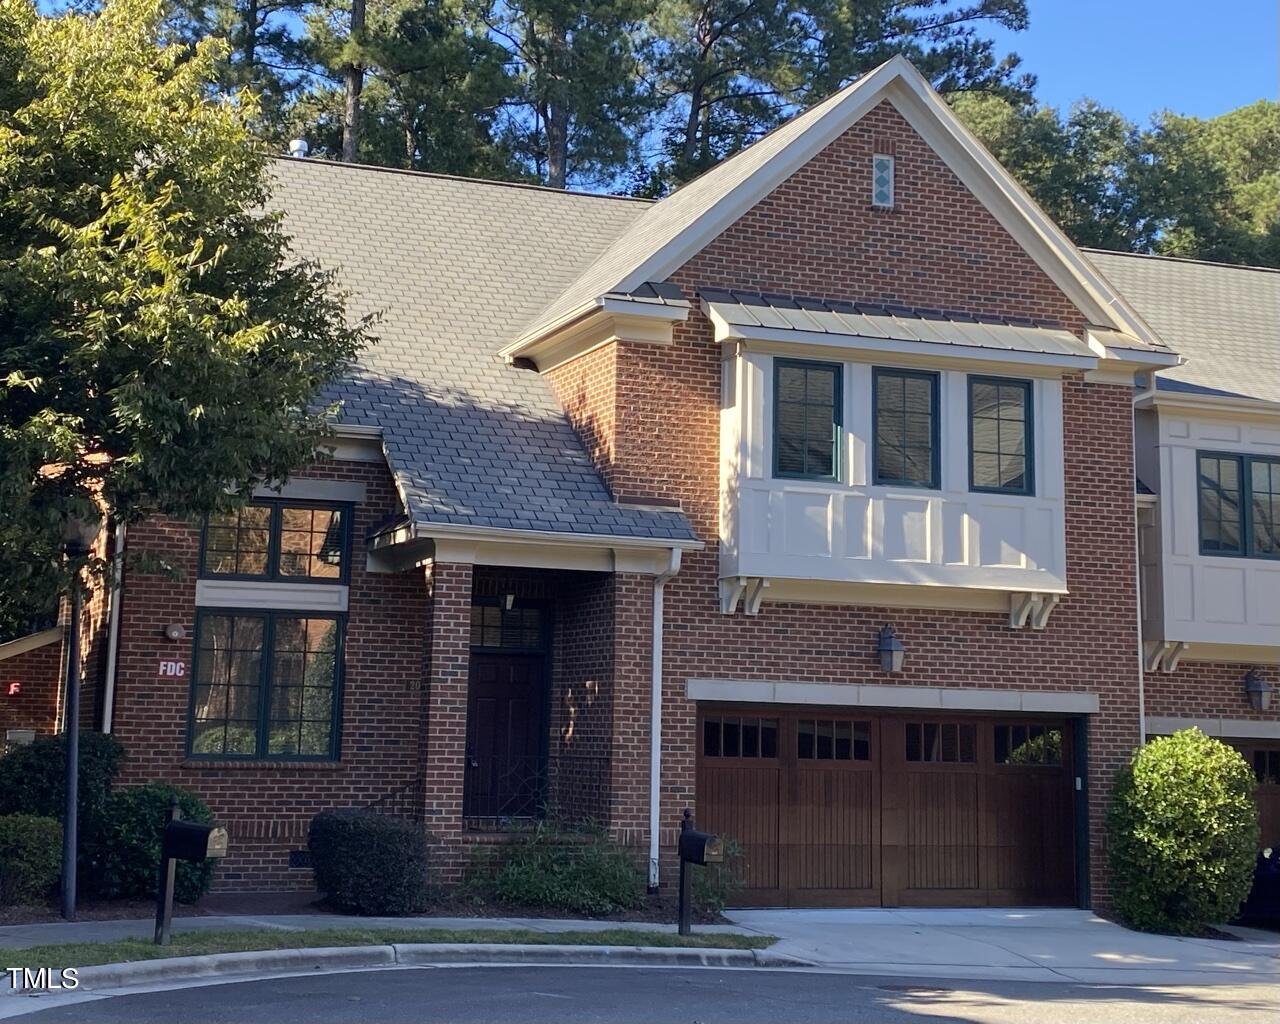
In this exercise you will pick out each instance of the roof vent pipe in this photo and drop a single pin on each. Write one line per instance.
(298, 148)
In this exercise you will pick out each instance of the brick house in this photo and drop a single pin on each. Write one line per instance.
(803, 498)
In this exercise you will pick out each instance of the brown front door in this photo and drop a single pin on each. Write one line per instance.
(1264, 759)
(836, 808)
(505, 732)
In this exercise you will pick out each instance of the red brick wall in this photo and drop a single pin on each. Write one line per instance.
(38, 673)
(586, 389)
(1203, 689)
(817, 235)
(267, 806)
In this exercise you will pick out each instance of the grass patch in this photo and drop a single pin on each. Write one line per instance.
(85, 954)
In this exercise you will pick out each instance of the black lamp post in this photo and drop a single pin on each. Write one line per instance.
(79, 536)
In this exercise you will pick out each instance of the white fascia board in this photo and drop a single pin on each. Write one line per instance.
(1228, 728)
(430, 531)
(726, 332)
(609, 305)
(30, 642)
(1224, 404)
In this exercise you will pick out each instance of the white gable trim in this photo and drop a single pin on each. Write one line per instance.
(908, 91)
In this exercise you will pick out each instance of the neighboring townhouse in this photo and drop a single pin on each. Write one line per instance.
(1208, 455)
(803, 498)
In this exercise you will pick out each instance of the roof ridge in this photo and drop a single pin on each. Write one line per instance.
(528, 186)
(1180, 259)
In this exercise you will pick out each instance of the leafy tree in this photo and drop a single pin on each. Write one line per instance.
(158, 340)
(579, 105)
(434, 86)
(263, 52)
(1208, 189)
(727, 71)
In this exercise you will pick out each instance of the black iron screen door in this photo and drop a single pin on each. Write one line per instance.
(505, 732)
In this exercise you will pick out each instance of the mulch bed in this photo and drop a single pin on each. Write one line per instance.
(93, 910)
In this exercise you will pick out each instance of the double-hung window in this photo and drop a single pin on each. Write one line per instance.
(906, 428)
(806, 419)
(278, 540)
(1239, 504)
(1000, 436)
(266, 686)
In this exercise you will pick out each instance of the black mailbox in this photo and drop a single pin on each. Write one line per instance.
(190, 840)
(700, 847)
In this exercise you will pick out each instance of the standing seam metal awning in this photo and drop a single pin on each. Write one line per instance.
(748, 315)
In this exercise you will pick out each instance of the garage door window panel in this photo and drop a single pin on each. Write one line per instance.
(740, 736)
(941, 743)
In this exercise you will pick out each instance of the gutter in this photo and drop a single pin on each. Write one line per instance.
(1140, 398)
(113, 629)
(655, 715)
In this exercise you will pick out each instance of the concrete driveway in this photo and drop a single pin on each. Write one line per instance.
(1027, 945)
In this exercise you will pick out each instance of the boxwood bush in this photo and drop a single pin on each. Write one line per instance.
(30, 858)
(369, 863)
(125, 849)
(1183, 834)
(32, 777)
(581, 872)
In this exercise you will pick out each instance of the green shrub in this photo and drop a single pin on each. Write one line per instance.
(1183, 834)
(369, 863)
(30, 858)
(583, 873)
(32, 778)
(124, 851)
(715, 884)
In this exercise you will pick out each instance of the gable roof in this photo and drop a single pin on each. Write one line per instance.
(1224, 320)
(668, 234)
(455, 267)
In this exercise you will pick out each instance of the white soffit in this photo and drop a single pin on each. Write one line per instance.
(847, 327)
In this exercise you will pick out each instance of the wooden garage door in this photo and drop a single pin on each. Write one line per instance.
(834, 808)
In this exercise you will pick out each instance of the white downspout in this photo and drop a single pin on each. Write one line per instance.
(1141, 396)
(113, 629)
(655, 717)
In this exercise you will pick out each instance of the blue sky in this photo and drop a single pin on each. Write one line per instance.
(1141, 56)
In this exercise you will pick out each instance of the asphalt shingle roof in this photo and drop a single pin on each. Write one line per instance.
(1223, 320)
(456, 268)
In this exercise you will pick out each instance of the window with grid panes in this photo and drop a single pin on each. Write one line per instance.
(905, 451)
(287, 541)
(806, 419)
(1000, 453)
(266, 686)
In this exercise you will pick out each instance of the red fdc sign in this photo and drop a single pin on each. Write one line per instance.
(172, 668)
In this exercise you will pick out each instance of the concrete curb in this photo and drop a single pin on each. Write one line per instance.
(301, 961)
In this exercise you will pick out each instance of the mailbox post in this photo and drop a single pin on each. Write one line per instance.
(699, 848)
(182, 840)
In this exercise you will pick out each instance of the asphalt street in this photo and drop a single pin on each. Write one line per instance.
(569, 995)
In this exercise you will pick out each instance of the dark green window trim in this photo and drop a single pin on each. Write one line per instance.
(879, 475)
(836, 370)
(1028, 438)
(1242, 517)
(265, 683)
(272, 574)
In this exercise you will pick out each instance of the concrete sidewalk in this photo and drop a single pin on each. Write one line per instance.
(1027, 945)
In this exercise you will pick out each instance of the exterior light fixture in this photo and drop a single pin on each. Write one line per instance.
(174, 631)
(1258, 690)
(892, 653)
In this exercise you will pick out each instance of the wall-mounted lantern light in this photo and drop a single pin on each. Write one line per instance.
(1258, 690)
(892, 653)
